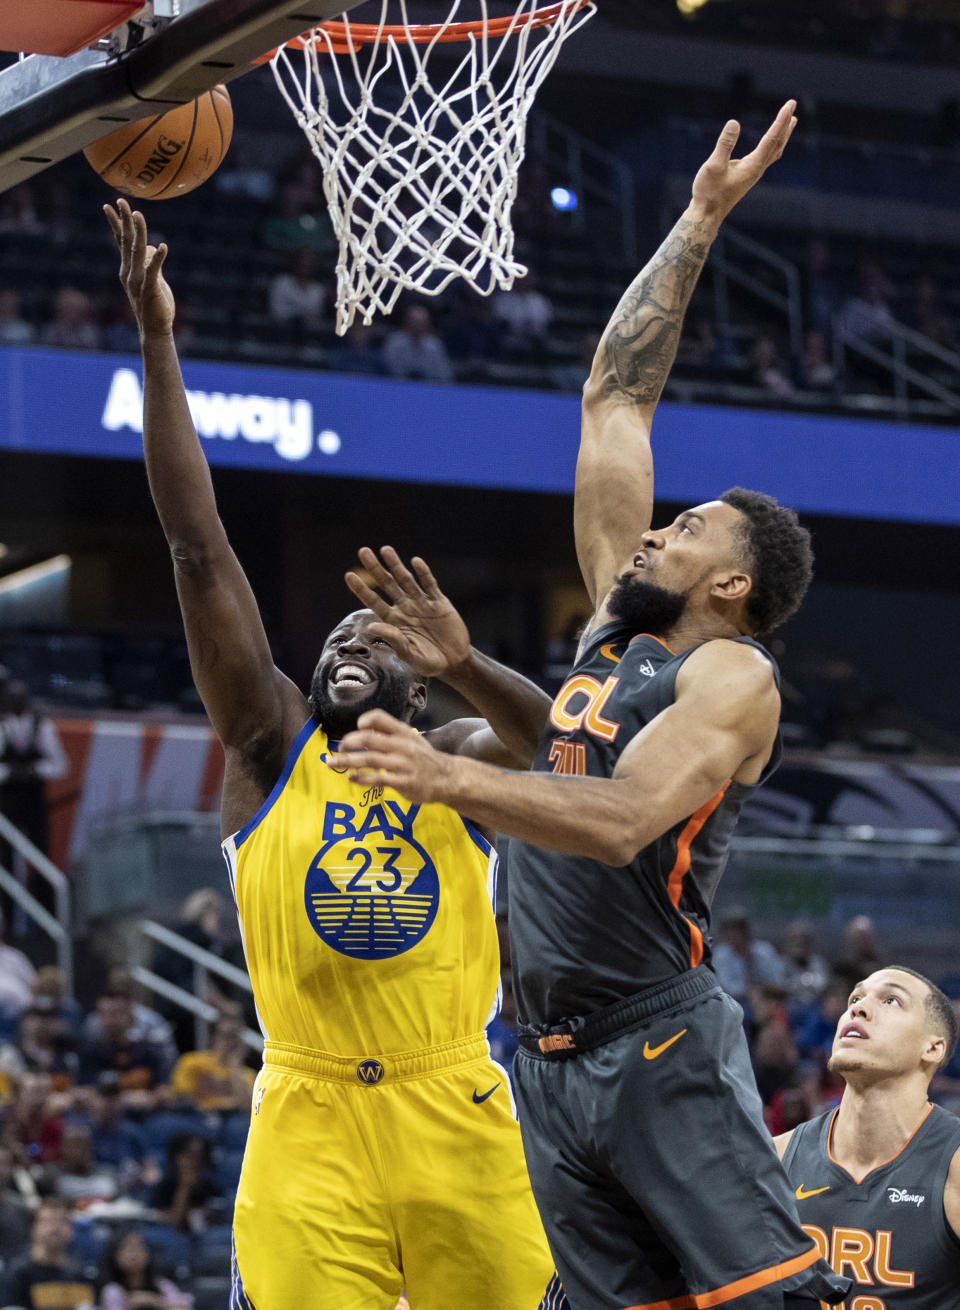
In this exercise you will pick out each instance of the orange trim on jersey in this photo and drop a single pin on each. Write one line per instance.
(652, 638)
(730, 1291)
(681, 867)
(884, 1164)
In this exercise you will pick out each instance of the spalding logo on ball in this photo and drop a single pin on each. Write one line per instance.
(167, 155)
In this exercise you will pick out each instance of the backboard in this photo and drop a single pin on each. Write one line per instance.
(51, 107)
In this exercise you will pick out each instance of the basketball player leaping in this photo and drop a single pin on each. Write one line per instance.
(383, 1152)
(656, 1179)
(878, 1180)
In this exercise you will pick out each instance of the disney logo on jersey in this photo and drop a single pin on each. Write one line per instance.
(899, 1196)
(371, 891)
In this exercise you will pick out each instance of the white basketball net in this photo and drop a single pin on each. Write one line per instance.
(421, 192)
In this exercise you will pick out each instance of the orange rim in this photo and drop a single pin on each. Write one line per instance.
(344, 37)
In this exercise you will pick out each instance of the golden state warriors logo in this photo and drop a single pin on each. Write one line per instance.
(371, 891)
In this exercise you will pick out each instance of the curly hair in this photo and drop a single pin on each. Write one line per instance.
(778, 553)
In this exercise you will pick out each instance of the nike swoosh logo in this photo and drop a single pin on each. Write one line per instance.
(802, 1195)
(607, 653)
(479, 1100)
(651, 1052)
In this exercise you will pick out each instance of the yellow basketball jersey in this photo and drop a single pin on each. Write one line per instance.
(367, 921)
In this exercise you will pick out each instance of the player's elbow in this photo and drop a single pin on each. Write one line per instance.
(193, 558)
(619, 845)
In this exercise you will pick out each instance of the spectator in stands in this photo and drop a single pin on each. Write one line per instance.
(867, 313)
(17, 974)
(740, 962)
(297, 298)
(525, 312)
(46, 1278)
(16, 1217)
(44, 1046)
(129, 1281)
(242, 173)
(218, 1079)
(775, 1061)
(820, 296)
(33, 1121)
(77, 1176)
(806, 973)
(202, 922)
(117, 1140)
(357, 351)
(415, 351)
(927, 314)
(188, 1185)
(861, 955)
(299, 225)
(814, 370)
(816, 1027)
(74, 325)
(767, 369)
(697, 348)
(30, 756)
(572, 375)
(791, 1106)
(51, 986)
(137, 1062)
(146, 1024)
(474, 335)
(14, 328)
(19, 214)
(120, 333)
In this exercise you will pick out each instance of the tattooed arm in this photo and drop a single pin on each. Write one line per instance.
(255, 711)
(614, 490)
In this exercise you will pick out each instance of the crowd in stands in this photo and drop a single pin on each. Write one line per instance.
(793, 997)
(119, 1151)
(277, 304)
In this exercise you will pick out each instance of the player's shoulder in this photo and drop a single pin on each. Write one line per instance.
(452, 738)
(741, 667)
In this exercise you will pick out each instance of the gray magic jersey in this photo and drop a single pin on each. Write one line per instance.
(585, 935)
(889, 1232)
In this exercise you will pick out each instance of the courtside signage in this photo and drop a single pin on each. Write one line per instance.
(337, 425)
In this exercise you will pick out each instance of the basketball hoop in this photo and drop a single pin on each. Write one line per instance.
(420, 191)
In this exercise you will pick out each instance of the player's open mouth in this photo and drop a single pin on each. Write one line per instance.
(639, 562)
(351, 675)
(852, 1030)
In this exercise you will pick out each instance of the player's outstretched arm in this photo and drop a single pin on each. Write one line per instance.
(721, 726)
(614, 487)
(426, 630)
(246, 698)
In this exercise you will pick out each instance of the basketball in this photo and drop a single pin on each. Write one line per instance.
(169, 154)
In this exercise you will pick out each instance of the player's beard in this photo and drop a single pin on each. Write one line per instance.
(645, 606)
(391, 693)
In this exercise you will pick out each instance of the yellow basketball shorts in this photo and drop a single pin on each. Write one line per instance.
(362, 1178)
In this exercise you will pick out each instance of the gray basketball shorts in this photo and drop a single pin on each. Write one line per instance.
(657, 1180)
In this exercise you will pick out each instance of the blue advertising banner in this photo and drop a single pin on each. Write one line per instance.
(326, 423)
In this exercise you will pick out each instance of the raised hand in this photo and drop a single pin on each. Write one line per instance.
(722, 181)
(413, 614)
(141, 270)
(383, 752)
